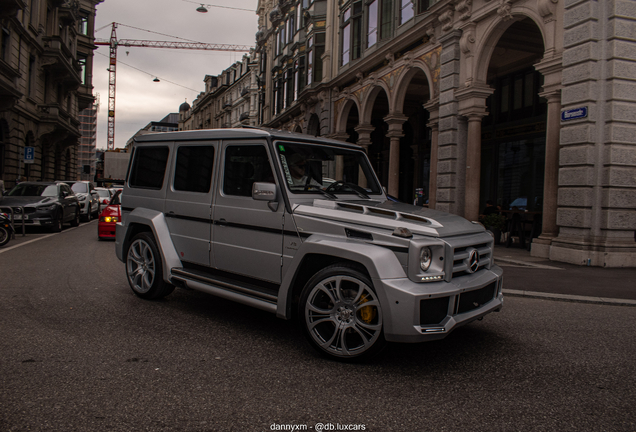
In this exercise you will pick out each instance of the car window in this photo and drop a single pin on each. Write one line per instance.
(103, 193)
(149, 167)
(68, 190)
(193, 172)
(33, 190)
(80, 187)
(244, 165)
(116, 199)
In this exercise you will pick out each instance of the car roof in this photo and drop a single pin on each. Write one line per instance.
(240, 133)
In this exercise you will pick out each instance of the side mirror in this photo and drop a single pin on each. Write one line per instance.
(266, 192)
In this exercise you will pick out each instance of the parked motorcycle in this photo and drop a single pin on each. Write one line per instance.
(6, 230)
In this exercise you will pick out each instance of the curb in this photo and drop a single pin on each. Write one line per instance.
(570, 298)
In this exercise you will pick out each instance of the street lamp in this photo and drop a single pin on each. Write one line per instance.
(202, 9)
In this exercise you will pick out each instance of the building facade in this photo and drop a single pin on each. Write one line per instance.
(530, 104)
(45, 81)
(229, 100)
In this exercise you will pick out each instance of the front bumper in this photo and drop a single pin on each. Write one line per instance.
(419, 312)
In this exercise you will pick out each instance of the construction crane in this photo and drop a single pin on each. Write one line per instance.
(113, 43)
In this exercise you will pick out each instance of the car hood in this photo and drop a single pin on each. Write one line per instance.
(389, 215)
(23, 201)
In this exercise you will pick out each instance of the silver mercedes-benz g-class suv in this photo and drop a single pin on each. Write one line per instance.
(300, 226)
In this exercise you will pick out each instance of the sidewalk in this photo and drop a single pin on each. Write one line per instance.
(528, 276)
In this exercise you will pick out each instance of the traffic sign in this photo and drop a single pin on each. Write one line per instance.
(29, 155)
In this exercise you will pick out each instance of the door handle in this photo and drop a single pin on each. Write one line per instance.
(222, 222)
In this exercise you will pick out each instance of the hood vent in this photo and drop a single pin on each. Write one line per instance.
(360, 235)
(373, 211)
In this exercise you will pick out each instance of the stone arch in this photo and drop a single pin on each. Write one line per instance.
(297, 128)
(343, 115)
(404, 81)
(368, 101)
(313, 127)
(493, 34)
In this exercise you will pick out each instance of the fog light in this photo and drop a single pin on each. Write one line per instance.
(432, 278)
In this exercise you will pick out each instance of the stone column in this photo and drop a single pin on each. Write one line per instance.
(473, 167)
(395, 122)
(551, 69)
(364, 140)
(540, 246)
(433, 122)
(472, 105)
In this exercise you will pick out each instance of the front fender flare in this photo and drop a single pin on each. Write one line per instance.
(380, 263)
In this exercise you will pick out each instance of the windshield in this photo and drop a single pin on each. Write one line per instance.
(80, 188)
(33, 190)
(318, 169)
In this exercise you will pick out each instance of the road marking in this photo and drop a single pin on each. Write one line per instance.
(3, 250)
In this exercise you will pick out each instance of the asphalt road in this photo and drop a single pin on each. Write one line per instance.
(80, 352)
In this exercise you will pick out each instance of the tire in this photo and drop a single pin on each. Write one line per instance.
(340, 314)
(5, 236)
(144, 268)
(76, 220)
(57, 223)
(87, 218)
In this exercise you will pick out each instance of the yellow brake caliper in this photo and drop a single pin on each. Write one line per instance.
(367, 313)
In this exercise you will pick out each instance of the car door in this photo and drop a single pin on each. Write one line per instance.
(247, 234)
(67, 198)
(188, 207)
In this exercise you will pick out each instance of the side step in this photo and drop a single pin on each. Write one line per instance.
(226, 290)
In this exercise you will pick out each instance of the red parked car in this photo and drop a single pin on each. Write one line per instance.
(109, 218)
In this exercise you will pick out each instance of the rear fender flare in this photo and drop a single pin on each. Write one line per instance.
(156, 221)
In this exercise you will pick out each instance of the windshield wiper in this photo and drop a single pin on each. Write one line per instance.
(325, 193)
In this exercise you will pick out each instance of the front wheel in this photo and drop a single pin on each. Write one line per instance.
(76, 220)
(5, 236)
(145, 269)
(341, 315)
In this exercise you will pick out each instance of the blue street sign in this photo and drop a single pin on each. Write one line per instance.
(29, 155)
(574, 114)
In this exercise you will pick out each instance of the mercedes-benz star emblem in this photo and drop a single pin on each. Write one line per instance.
(473, 261)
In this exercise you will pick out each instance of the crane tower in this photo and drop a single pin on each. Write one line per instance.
(113, 43)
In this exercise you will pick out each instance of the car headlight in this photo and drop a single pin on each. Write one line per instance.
(81, 197)
(426, 257)
(47, 208)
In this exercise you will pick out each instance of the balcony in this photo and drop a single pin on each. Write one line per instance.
(245, 92)
(68, 12)
(8, 8)
(244, 116)
(57, 121)
(60, 62)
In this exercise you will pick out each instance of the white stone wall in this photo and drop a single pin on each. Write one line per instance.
(597, 176)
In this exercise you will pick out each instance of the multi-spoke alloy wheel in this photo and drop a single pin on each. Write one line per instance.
(341, 313)
(144, 269)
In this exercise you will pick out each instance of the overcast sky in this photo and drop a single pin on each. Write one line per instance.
(140, 100)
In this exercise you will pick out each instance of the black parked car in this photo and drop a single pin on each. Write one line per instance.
(46, 204)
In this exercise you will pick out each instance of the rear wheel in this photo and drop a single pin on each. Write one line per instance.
(341, 315)
(145, 269)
